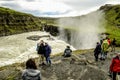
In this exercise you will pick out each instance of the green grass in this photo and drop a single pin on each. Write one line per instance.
(114, 33)
(112, 16)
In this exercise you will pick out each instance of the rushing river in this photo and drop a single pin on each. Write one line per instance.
(17, 48)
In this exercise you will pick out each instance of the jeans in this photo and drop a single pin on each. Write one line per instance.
(48, 60)
(103, 55)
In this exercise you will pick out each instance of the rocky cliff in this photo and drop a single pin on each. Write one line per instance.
(112, 13)
(81, 66)
(13, 22)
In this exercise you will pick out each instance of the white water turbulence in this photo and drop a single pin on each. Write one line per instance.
(17, 48)
(82, 32)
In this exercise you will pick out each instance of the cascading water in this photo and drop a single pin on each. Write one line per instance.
(83, 31)
(17, 48)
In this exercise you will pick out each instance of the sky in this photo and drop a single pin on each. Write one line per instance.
(56, 8)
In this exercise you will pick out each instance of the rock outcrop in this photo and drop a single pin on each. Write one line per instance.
(78, 67)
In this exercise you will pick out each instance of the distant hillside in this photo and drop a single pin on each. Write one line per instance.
(112, 15)
(13, 22)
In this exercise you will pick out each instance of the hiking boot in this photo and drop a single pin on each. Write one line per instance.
(43, 63)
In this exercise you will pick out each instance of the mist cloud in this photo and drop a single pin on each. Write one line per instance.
(84, 31)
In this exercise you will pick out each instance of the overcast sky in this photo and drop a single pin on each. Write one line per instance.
(56, 8)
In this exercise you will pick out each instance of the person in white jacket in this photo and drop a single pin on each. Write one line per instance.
(31, 72)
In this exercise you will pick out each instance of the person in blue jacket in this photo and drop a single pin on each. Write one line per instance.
(47, 53)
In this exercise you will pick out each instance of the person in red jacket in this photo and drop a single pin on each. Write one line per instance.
(115, 66)
(109, 41)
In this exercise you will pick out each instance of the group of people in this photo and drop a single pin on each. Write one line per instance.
(44, 51)
(31, 72)
(103, 47)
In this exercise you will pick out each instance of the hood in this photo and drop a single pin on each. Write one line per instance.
(32, 72)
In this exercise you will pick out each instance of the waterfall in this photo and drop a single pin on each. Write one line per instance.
(17, 48)
(82, 32)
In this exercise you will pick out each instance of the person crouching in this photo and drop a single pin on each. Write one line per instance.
(67, 52)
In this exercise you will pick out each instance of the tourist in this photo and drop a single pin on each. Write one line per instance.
(41, 51)
(113, 44)
(97, 51)
(47, 53)
(31, 72)
(104, 46)
(67, 52)
(109, 41)
(115, 66)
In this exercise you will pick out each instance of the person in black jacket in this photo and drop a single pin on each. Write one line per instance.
(113, 44)
(97, 51)
(41, 51)
(67, 52)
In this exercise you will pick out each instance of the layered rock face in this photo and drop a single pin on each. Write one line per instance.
(13, 22)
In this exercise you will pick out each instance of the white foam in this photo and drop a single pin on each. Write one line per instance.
(17, 48)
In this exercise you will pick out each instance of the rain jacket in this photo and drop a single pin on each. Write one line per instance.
(105, 46)
(97, 49)
(47, 50)
(31, 74)
(41, 49)
(115, 65)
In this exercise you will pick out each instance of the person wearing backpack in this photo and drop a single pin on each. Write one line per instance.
(104, 46)
(67, 52)
(31, 72)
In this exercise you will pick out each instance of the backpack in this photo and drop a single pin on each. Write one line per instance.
(68, 52)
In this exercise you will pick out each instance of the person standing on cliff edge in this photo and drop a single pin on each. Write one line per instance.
(41, 51)
(47, 53)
